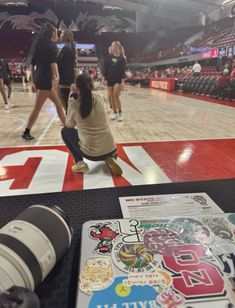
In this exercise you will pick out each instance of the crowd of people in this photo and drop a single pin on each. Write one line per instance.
(86, 131)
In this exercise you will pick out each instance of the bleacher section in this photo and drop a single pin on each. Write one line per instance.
(17, 66)
(173, 46)
(207, 86)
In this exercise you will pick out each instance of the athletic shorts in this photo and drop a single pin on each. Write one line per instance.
(46, 86)
(7, 81)
(112, 83)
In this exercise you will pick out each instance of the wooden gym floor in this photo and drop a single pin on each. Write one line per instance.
(163, 138)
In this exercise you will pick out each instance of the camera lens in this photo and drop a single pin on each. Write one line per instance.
(31, 245)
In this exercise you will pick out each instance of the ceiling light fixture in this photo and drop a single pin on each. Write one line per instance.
(13, 3)
(109, 7)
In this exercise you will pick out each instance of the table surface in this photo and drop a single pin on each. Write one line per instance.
(59, 288)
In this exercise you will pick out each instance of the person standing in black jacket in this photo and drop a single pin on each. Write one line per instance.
(114, 74)
(66, 66)
(45, 78)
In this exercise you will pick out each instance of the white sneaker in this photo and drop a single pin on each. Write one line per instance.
(7, 107)
(113, 116)
(120, 117)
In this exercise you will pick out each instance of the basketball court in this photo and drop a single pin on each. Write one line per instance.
(164, 138)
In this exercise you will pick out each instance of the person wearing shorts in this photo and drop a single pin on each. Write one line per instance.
(114, 74)
(7, 78)
(2, 86)
(45, 78)
(66, 66)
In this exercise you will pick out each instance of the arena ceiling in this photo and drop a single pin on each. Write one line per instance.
(163, 8)
(162, 13)
(180, 11)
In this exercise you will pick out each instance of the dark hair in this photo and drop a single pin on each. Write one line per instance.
(42, 37)
(69, 38)
(84, 84)
(45, 34)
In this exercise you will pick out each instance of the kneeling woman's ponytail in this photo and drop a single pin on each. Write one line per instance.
(84, 84)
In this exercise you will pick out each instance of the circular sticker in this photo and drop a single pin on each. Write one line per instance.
(220, 227)
(134, 258)
(156, 240)
(191, 230)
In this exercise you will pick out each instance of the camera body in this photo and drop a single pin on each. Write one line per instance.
(17, 297)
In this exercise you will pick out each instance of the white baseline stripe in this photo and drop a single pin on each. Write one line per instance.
(151, 172)
(46, 130)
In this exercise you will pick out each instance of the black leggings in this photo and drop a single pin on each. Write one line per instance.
(65, 96)
(71, 140)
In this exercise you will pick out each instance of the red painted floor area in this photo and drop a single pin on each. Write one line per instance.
(194, 160)
(41, 169)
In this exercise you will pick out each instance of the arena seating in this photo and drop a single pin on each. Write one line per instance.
(222, 35)
(16, 65)
(210, 71)
(206, 86)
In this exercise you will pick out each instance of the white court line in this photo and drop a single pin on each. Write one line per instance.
(19, 119)
(120, 143)
(176, 140)
(45, 130)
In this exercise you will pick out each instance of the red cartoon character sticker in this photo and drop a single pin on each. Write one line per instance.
(105, 235)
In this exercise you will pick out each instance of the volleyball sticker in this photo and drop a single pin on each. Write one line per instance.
(96, 275)
(134, 258)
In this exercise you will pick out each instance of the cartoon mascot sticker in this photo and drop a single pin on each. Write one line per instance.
(105, 235)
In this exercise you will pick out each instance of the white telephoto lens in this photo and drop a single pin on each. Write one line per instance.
(31, 245)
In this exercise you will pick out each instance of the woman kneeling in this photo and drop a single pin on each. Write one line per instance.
(92, 139)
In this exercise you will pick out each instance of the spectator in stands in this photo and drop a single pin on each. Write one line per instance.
(223, 83)
(197, 69)
(93, 138)
(164, 74)
(66, 66)
(114, 74)
(2, 86)
(45, 79)
(232, 76)
(228, 66)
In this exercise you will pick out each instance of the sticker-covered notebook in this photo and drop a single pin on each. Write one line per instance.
(167, 262)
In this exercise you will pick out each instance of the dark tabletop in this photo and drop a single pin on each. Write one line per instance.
(59, 289)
